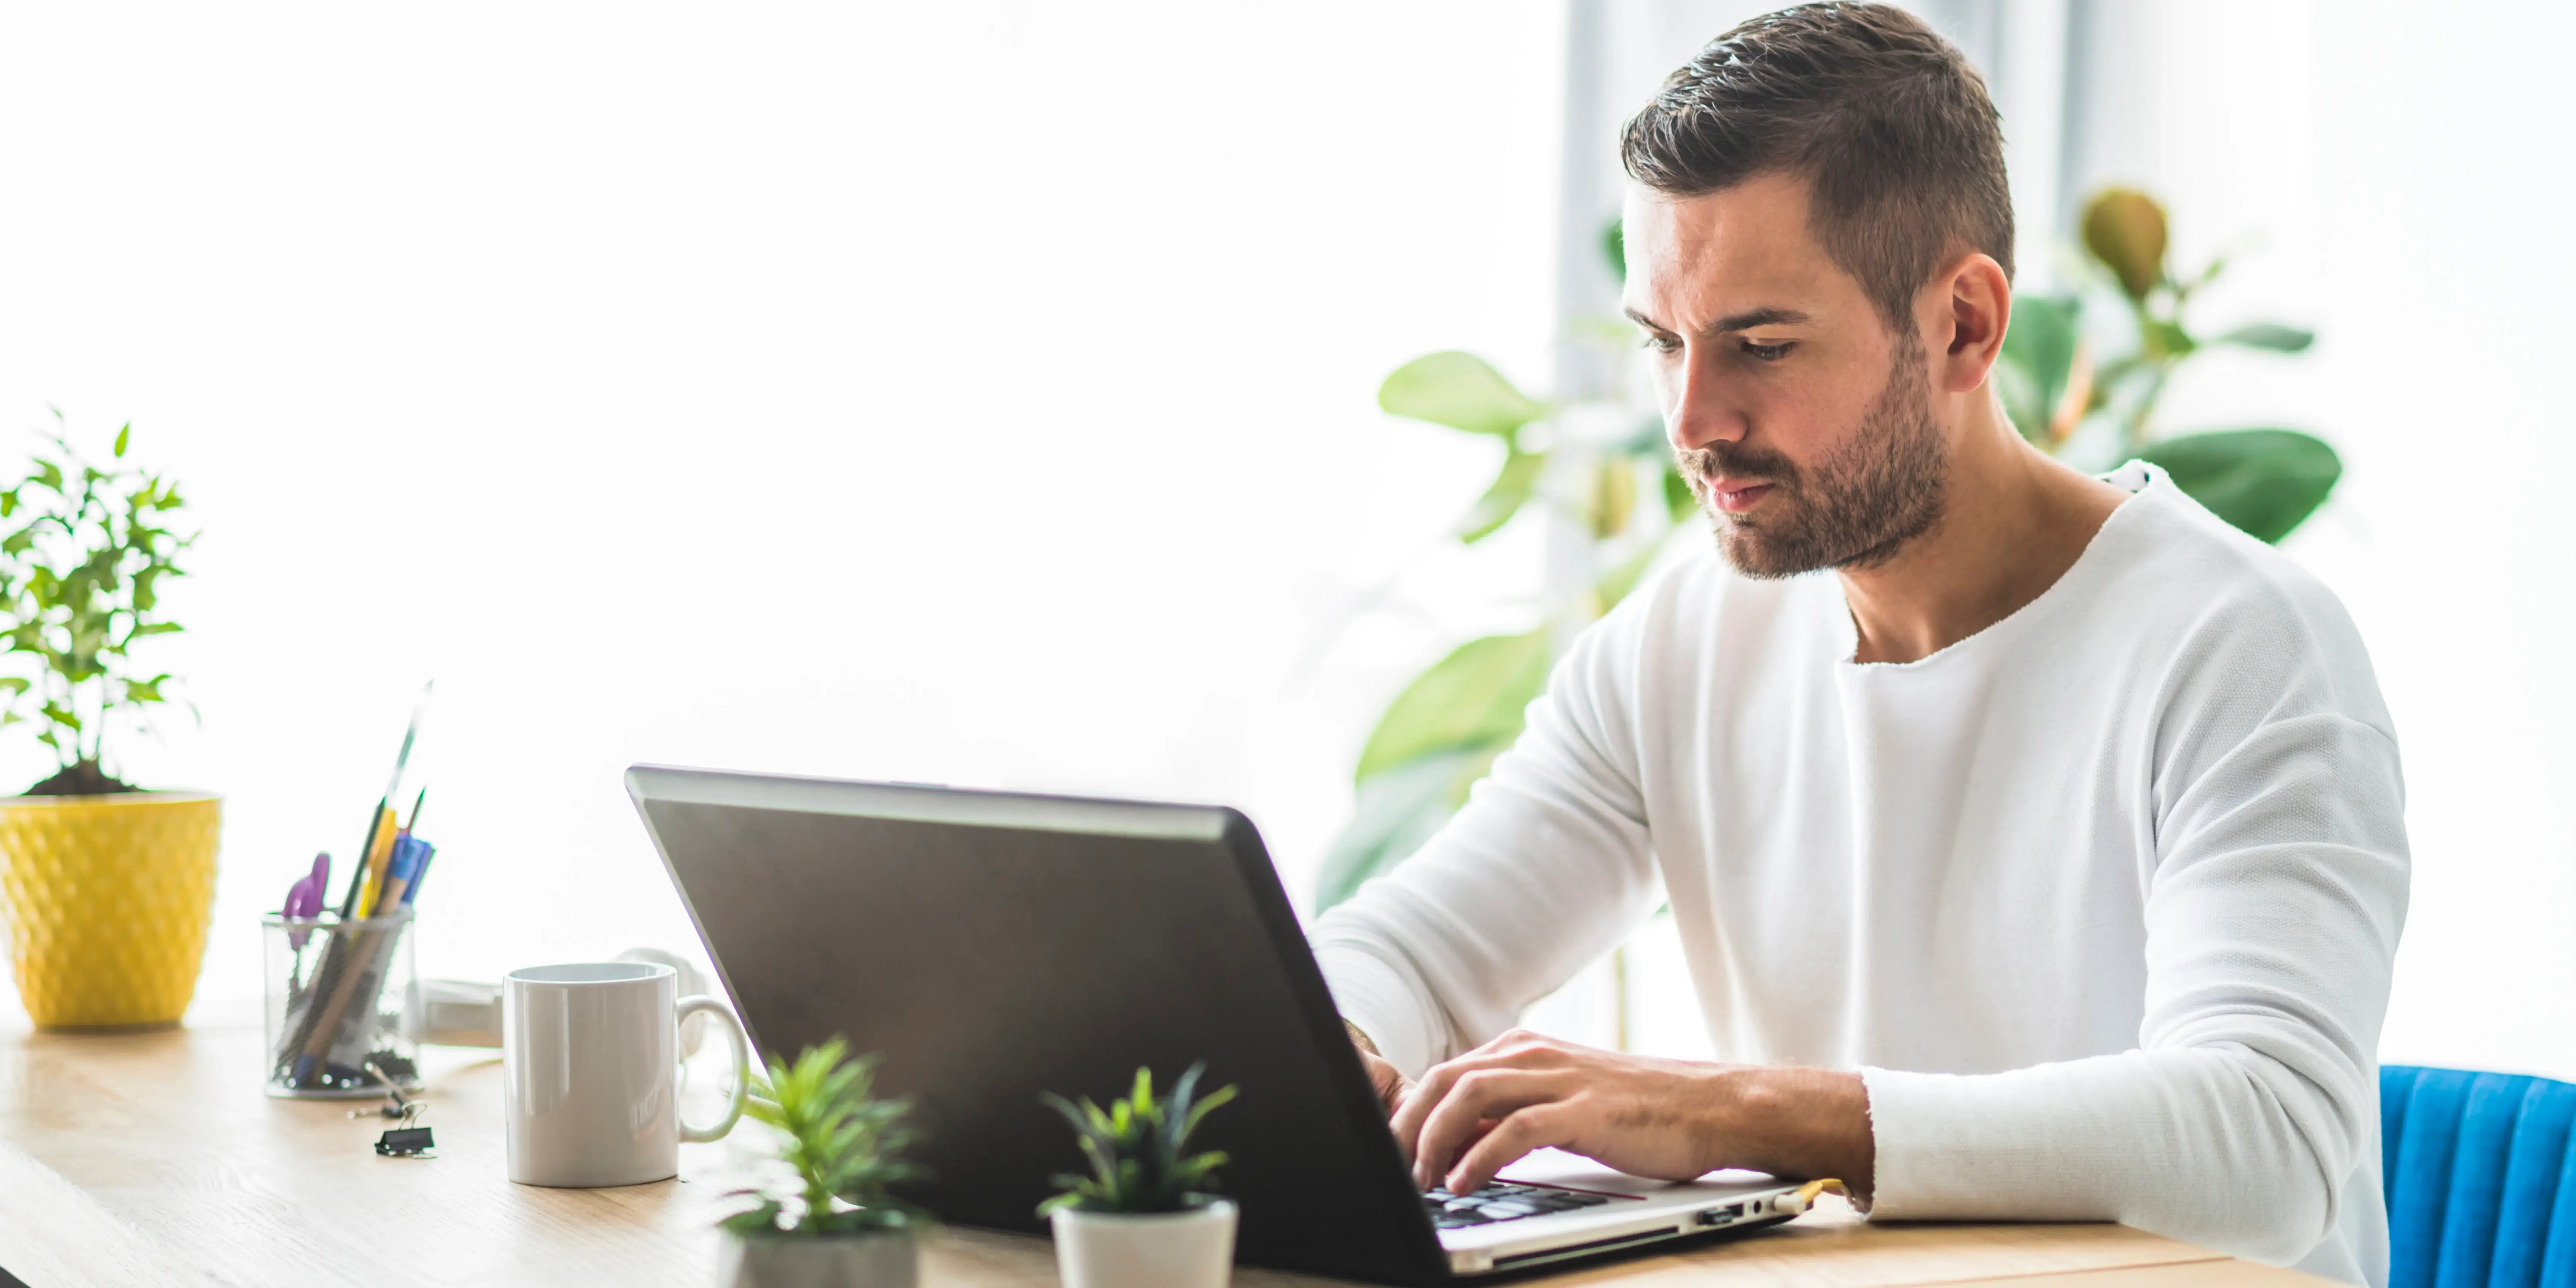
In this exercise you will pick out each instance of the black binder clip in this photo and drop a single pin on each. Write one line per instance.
(407, 1142)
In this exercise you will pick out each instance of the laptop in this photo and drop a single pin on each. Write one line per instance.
(991, 946)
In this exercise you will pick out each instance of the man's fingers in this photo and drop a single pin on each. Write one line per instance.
(1389, 1082)
(1517, 1049)
(1479, 1095)
(1418, 1103)
(1536, 1127)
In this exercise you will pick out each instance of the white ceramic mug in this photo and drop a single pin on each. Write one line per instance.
(590, 1057)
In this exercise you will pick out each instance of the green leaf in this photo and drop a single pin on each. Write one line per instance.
(2158, 338)
(1614, 247)
(839, 1140)
(2264, 481)
(1459, 390)
(1135, 1149)
(121, 436)
(2125, 229)
(1397, 811)
(1213, 1100)
(1679, 501)
(2038, 354)
(1472, 698)
(2269, 335)
(1614, 496)
(755, 1220)
(1615, 584)
(1510, 491)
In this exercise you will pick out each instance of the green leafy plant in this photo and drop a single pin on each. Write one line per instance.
(1614, 489)
(2097, 413)
(845, 1147)
(85, 553)
(1135, 1149)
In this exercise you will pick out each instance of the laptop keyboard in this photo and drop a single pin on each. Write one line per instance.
(1504, 1201)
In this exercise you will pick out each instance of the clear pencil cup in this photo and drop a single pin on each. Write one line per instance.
(337, 1000)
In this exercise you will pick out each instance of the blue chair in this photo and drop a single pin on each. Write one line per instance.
(2478, 1175)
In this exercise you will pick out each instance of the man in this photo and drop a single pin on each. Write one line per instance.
(2036, 840)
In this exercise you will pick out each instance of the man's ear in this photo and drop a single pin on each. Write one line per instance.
(1978, 308)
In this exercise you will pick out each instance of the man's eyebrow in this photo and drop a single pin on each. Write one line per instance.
(1744, 321)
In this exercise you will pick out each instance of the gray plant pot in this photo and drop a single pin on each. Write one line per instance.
(875, 1259)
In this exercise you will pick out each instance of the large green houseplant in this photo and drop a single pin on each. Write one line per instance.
(1620, 494)
(2090, 393)
(836, 1220)
(107, 888)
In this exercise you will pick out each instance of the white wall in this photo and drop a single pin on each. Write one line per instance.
(976, 392)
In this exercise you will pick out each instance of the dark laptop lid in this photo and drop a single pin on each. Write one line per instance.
(994, 945)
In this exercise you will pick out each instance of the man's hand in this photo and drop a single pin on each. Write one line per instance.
(1666, 1119)
(1390, 1083)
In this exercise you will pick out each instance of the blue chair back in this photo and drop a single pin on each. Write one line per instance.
(2478, 1180)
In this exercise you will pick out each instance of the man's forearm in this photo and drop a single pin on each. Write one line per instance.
(1797, 1122)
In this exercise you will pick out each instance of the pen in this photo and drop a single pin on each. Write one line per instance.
(399, 875)
(379, 824)
(420, 870)
(380, 850)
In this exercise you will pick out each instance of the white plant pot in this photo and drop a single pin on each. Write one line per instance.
(1192, 1249)
(876, 1259)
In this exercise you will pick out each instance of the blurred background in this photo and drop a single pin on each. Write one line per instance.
(985, 393)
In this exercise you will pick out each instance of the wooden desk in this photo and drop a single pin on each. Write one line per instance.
(154, 1159)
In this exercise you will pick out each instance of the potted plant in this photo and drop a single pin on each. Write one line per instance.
(836, 1226)
(106, 887)
(1144, 1217)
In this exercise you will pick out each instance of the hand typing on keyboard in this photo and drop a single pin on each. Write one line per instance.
(1671, 1120)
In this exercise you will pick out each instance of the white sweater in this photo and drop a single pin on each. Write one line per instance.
(2100, 900)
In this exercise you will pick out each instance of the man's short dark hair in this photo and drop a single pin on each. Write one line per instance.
(1890, 126)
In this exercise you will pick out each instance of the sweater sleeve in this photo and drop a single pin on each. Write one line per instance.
(2272, 915)
(1546, 868)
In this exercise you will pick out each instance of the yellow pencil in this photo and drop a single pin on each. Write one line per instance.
(377, 854)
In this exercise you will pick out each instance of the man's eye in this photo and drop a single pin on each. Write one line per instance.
(1663, 343)
(1769, 352)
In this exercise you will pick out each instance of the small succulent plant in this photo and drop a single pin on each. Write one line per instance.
(845, 1145)
(1135, 1147)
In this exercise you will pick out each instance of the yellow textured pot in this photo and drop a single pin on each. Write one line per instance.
(107, 900)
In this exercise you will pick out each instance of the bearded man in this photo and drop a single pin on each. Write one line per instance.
(2036, 840)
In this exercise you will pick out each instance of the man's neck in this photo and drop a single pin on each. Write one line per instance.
(2013, 521)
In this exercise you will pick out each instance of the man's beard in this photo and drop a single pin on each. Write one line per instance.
(1882, 487)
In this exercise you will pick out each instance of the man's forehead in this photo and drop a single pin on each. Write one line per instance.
(1694, 259)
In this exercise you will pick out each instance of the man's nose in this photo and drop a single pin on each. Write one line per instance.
(1699, 408)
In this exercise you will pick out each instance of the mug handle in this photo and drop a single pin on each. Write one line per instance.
(741, 1066)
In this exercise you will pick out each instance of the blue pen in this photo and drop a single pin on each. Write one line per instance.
(420, 869)
(401, 869)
